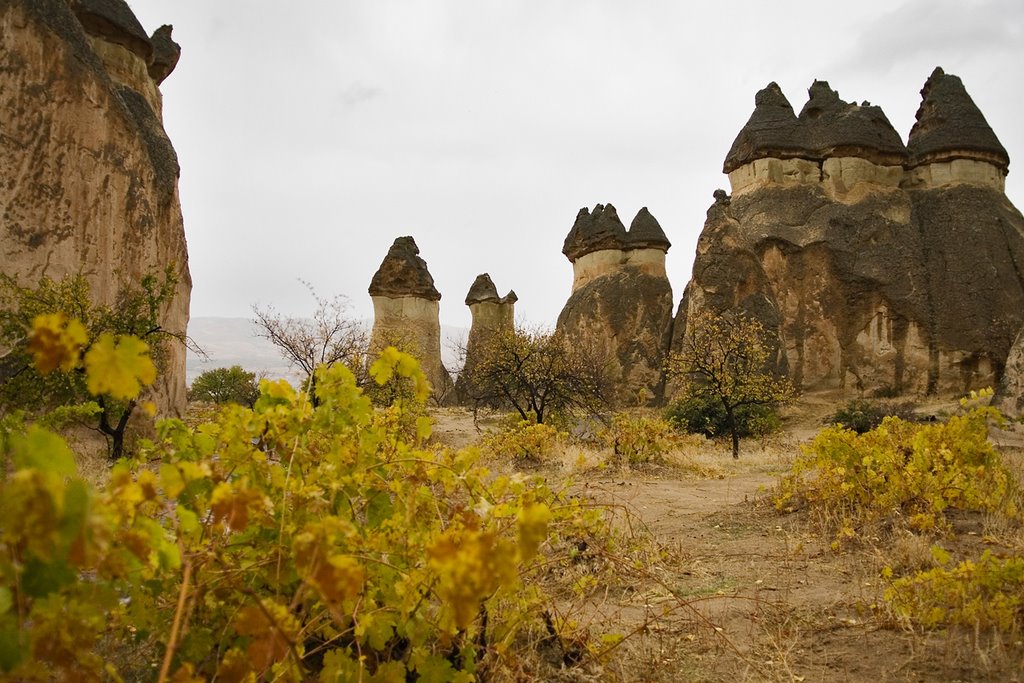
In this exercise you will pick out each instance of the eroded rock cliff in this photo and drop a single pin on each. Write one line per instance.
(878, 267)
(90, 177)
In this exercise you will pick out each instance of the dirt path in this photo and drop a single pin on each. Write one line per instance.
(742, 592)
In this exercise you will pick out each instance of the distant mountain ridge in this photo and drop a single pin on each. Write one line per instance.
(233, 341)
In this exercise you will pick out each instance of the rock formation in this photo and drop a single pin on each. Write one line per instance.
(1009, 396)
(621, 301)
(491, 313)
(90, 178)
(406, 310)
(877, 266)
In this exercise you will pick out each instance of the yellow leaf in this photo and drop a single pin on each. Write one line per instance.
(56, 342)
(118, 367)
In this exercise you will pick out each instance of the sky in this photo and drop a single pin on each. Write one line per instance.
(312, 134)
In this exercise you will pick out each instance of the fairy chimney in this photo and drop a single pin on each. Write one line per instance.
(406, 310)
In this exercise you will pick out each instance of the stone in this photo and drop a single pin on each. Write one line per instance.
(404, 273)
(1009, 398)
(114, 22)
(166, 53)
(90, 175)
(771, 131)
(594, 231)
(621, 301)
(406, 311)
(491, 315)
(950, 126)
(870, 277)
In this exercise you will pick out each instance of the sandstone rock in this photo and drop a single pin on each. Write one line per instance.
(595, 231)
(870, 277)
(166, 53)
(406, 310)
(491, 315)
(91, 178)
(621, 303)
(771, 132)
(950, 126)
(114, 22)
(404, 273)
(1009, 398)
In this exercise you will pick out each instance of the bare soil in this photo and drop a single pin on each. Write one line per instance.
(741, 592)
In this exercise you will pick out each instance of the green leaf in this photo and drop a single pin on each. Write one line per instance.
(12, 644)
(6, 600)
(42, 578)
(188, 521)
(378, 509)
(43, 450)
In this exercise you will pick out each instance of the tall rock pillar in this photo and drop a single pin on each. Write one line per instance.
(90, 178)
(406, 310)
(621, 301)
(492, 315)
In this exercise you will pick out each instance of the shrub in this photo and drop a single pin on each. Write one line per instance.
(278, 542)
(862, 415)
(523, 443)
(985, 593)
(638, 439)
(706, 415)
(901, 474)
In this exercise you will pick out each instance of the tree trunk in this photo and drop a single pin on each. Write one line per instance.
(735, 433)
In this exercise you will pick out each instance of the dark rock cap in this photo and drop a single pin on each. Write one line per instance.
(950, 126)
(115, 22)
(483, 290)
(645, 232)
(404, 273)
(771, 131)
(835, 128)
(594, 231)
(166, 53)
(826, 127)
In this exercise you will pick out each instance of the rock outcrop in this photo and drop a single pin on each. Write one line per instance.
(492, 314)
(90, 177)
(877, 266)
(406, 310)
(621, 301)
(1009, 396)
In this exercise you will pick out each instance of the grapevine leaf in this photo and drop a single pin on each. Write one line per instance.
(43, 450)
(118, 366)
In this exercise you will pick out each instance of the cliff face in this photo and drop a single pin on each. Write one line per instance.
(90, 177)
(406, 312)
(621, 302)
(876, 266)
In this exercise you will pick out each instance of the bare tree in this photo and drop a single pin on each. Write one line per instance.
(330, 336)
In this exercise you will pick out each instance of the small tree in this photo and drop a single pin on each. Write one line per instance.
(537, 373)
(136, 312)
(226, 385)
(725, 358)
(330, 336)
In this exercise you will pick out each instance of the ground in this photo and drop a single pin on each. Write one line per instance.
(738, 591)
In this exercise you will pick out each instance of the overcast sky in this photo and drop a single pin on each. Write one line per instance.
(311, 134)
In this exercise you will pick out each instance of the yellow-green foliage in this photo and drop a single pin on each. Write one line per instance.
(985, 593)
(278, 542)
(900, 473)
(639, 439)
(524, 442)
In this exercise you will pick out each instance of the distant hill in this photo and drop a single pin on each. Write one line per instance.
(233, 341)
